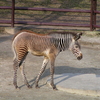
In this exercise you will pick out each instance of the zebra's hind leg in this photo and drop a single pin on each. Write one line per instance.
(24, 76)
(15, 66)
(45, 62)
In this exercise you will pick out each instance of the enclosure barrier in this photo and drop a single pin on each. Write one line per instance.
(93, 11)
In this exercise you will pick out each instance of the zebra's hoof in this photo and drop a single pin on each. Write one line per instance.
(29, 86)
(17, 88)
(54, 88)
(37, 87)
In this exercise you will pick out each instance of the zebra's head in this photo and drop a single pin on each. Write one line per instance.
(75, 46)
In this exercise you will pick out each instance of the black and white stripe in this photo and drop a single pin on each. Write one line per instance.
(61, 41)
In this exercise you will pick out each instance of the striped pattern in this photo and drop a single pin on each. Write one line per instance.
(61, 40)
(47, 45)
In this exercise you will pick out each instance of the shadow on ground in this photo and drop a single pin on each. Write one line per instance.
(67, 69)
(5, 38)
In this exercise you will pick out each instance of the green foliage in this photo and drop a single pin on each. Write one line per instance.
(49, 3)
(74, 3)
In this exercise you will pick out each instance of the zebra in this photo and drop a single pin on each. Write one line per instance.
(47, 45)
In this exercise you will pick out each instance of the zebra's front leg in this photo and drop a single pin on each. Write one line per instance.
(24, 76)
(52, 73)
(45, 62)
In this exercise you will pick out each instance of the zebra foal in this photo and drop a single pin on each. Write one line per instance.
(47, 45)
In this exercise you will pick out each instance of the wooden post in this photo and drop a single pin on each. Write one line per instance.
(13, 10)
(93, 14)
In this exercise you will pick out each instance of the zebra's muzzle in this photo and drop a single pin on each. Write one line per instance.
(80, 57)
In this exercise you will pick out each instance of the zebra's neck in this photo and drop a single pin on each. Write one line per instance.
(62, 41)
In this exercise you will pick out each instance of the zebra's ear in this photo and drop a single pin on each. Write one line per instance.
(78, 36)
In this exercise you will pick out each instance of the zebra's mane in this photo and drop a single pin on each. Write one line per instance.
(50, 34)
(63, 33)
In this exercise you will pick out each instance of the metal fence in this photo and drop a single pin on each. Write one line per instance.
(92, 25)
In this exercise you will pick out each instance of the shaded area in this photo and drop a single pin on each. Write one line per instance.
(60, 70)
(5, 38)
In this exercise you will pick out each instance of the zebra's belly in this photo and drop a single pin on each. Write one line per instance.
(36, 53)
(39, 53)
